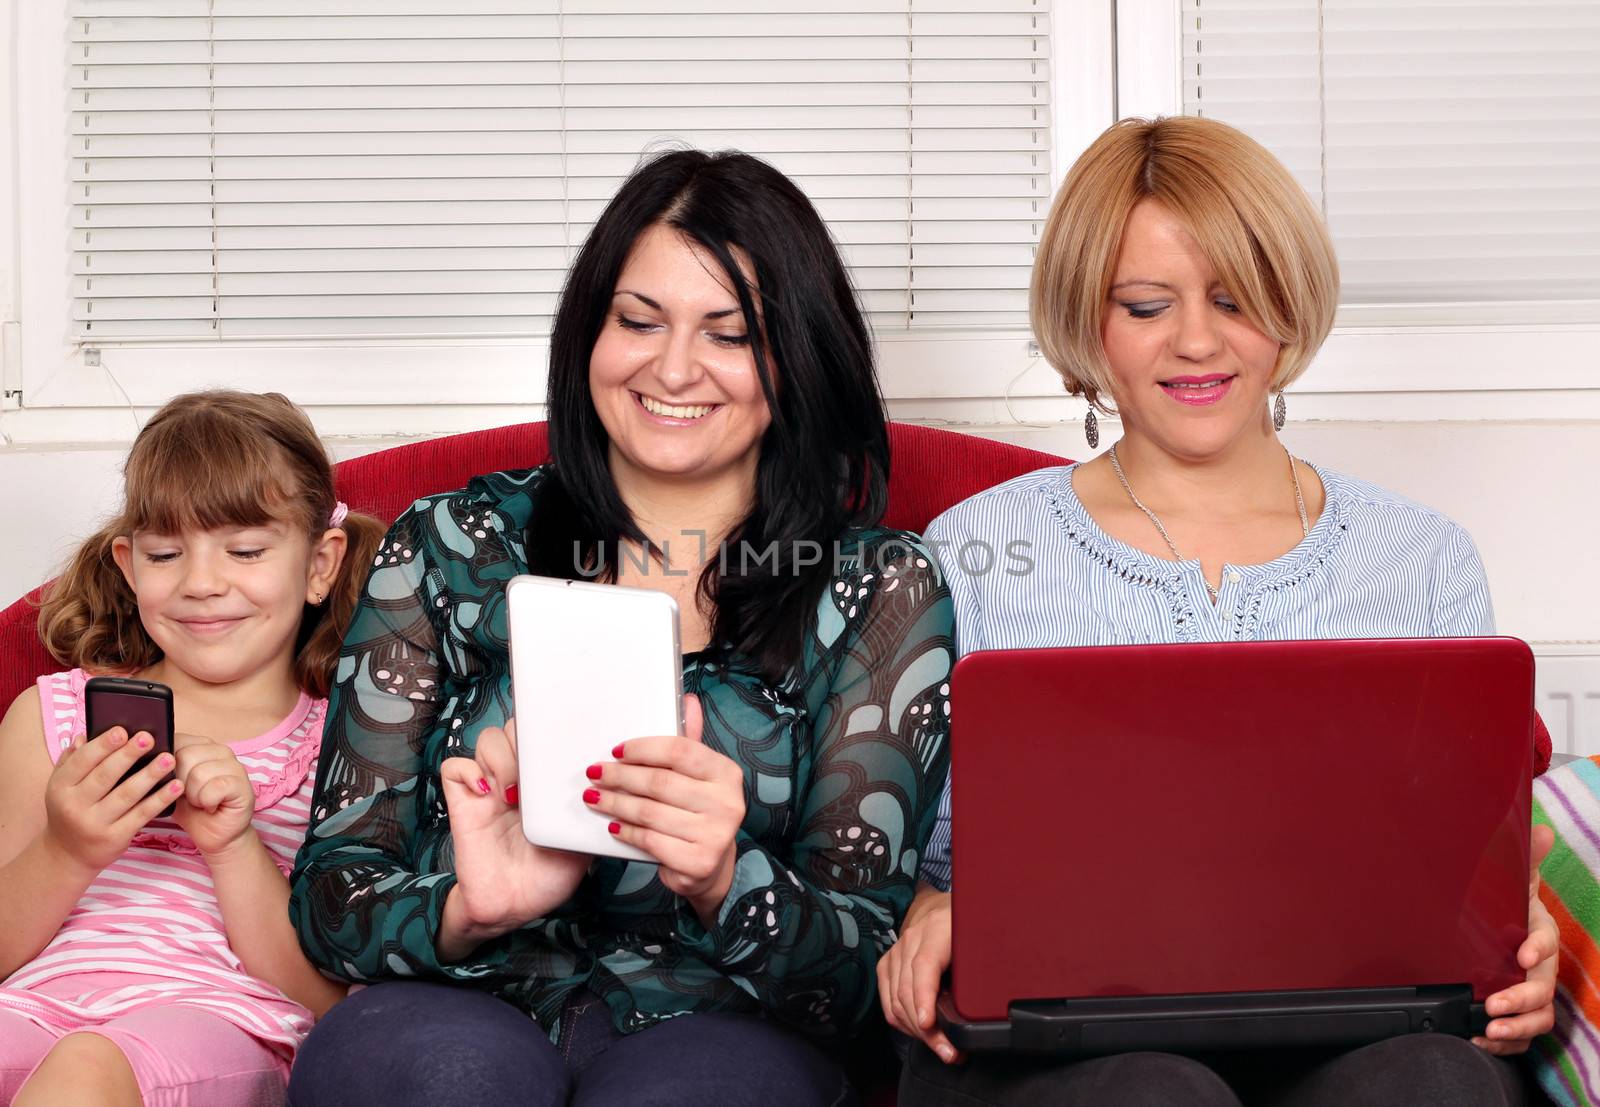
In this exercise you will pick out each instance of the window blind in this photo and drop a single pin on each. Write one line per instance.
(344, 168)
(1454, 145)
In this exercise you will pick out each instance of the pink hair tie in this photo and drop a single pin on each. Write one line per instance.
(340, 510)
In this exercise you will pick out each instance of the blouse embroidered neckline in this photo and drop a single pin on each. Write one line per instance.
(1139, 567)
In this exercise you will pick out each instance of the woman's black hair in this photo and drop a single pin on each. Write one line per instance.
(824, 460)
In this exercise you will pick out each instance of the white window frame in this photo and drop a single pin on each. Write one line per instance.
(10, 262)
(1109, 58)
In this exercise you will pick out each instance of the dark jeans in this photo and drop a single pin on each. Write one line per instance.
(1418, 1070)
(406, 1044)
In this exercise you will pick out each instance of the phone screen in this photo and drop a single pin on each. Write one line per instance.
(134, 712)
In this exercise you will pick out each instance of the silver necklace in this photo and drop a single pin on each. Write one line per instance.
(1299, 503)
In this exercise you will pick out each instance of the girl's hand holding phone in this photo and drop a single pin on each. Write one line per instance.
(89, 816)
(503, 881)
(681, 802)
(217, 802)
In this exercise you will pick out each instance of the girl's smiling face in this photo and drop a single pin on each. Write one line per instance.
(226, 604)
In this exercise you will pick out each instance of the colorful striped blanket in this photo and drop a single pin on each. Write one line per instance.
(1567, 1060)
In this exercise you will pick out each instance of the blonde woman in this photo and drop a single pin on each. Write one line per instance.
(1183, 279)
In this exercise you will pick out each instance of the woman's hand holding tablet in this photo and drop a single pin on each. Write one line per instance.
(681, 802)
(503, 881)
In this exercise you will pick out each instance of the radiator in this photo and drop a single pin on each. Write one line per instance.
(1567, 694)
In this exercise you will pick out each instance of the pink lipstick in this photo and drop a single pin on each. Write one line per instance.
(1199, 391)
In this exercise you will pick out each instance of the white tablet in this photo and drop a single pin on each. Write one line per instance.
(591, 665)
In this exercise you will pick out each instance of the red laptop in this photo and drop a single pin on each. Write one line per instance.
(1221, 845)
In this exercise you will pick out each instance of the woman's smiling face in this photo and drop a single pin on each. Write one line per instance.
(1189, 371)
(672, 375)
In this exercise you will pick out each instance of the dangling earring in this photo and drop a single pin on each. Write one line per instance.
(1091, 429)
(1280, 412)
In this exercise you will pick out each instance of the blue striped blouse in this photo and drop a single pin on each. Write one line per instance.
(1027, 567)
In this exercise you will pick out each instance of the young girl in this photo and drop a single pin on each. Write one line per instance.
(147, 959)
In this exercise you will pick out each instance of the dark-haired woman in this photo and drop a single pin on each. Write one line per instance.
(716, 433)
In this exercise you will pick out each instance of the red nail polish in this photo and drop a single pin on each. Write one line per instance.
(483, 786)
(591, 795)
(592, 772)
(616, 750)
(615, 828)
(511, 795)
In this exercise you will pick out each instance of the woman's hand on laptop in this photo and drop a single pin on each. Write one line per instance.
(1524, 1011)
(909, 974)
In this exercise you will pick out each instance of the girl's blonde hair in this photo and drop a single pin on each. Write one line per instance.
(206, 460)
(1252, 220)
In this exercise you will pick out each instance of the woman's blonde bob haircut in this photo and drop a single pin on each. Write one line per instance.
(1254, 223)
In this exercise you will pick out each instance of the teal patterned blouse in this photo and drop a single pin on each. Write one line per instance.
(843, 760)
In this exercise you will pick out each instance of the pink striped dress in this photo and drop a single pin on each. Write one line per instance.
(149, 931)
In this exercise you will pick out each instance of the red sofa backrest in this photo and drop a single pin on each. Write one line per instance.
(932, 469)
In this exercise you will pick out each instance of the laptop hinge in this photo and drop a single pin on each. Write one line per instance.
(1235, 1020)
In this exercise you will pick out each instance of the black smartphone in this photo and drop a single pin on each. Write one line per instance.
(135, 705)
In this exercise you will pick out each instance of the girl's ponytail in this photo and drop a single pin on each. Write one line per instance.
(322, 631)
(88, 618)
